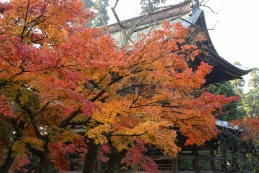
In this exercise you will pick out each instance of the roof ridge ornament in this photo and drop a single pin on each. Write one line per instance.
(195, 6)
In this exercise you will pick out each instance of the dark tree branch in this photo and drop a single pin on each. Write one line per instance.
(117, 18)
(25, 18)
(140, 134)
(34, 124)
(136, 98)
(108, 85)
(34, 150)
(116, 4)
(17, 128)
(44, 107)
(3, 83)
(74, 124)
(66, 121)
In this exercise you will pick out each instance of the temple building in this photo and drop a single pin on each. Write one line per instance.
(190, 15)
(192, 158)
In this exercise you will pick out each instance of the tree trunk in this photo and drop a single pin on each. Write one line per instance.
(114, 163)
(44, 159)
(91, 157)
(135, 168)
(43, 155)
(8, 162)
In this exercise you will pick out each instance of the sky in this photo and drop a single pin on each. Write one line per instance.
(236, 31)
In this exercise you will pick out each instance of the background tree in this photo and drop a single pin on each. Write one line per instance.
(237, 109)
(234, 110)
(101, 18)
(88, 3)
(251, 98)
(238, 84)
(240, 147)
(149, 6)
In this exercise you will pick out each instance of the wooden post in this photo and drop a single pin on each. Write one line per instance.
(99, 165)
(175, 165)
(196, 160)
(213, 160)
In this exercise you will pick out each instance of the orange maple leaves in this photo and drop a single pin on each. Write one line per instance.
(60, 75)
(248, 127)
(5, 106)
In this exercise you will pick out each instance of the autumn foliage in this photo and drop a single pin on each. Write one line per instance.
(249, 128)
(56, 75)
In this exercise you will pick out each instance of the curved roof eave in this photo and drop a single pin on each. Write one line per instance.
(231, 67)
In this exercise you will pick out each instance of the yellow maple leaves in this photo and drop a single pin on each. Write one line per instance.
(62, 75)
(19, 147)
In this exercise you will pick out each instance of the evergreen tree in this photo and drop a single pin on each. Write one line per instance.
(88, 3)
(149, 6)
(102, 17)
(233, 110)
(251, 98)
(238, 84)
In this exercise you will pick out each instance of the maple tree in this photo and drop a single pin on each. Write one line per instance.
(57, 74)
(38, 82)
(234, 110)
(239, 144)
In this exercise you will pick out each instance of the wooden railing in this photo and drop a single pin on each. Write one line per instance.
(165, 167)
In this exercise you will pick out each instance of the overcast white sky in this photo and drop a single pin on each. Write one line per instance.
(235, 36)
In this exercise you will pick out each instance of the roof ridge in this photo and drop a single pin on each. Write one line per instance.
(171, 11)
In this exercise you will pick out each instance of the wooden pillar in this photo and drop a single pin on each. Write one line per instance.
(99, 166)
(218, 155)
(175, 165)
(213, 160)
(196, 160)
